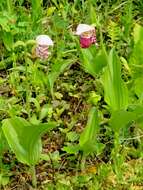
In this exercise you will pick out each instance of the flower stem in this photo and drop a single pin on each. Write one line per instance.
(33, 174)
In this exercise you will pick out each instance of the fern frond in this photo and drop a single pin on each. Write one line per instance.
(114, 32)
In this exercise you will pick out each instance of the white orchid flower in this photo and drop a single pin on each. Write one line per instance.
(44, 40)
(82, 28)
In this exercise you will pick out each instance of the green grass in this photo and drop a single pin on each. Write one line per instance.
(93, 95)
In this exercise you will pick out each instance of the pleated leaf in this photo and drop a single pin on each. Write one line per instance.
(115, 90)
(92, 61)
(24, 138)
(88, 142)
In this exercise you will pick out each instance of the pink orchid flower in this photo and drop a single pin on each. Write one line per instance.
(42, 46)
(87, 35)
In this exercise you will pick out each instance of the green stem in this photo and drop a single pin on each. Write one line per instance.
(27, 83)
(116, 143)
(33, 174)
(83, 160)
(117, 159)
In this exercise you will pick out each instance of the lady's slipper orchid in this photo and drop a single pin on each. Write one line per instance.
(42, 46)
(87, 35)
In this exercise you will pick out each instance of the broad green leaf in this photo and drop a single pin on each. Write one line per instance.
(93, 61)
(138, 84)
(88, 142)
(87, 139)
(87, 62)
(138, 33)
(24, 138)
(115, 90)
(100, 60)
(92, 146)
(121, 118)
